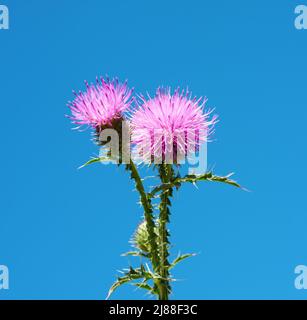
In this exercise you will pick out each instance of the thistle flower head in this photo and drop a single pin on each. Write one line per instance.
(140, 239)
(170, 125)
(101, 104)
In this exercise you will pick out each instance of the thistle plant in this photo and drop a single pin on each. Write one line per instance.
(161, 132)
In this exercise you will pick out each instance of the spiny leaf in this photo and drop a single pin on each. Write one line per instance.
(180, 258)
(145, 286)
(135, 254)
(130, 275)
(94, 160)
(209, 176)
(117, 284)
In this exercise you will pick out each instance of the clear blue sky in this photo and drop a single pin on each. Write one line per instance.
(63, 229)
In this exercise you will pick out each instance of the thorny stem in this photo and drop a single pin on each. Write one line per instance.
(148, 214)
(166, 175)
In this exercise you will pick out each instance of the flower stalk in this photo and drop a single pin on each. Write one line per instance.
(148, 214)
(166, 175)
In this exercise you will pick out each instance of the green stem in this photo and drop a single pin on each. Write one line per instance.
(166, 175)
(148, 214)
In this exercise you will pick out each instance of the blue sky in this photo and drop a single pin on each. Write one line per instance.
(63, 229)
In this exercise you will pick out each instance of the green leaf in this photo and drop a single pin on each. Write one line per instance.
(135, 254)
(209, 176)
(117, 284)
(94, 160)
(180, 258)
(130, 275)
(177, 182)
(145, 286)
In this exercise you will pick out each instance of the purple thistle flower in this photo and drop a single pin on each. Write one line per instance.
(170, 126)
(101, 104)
